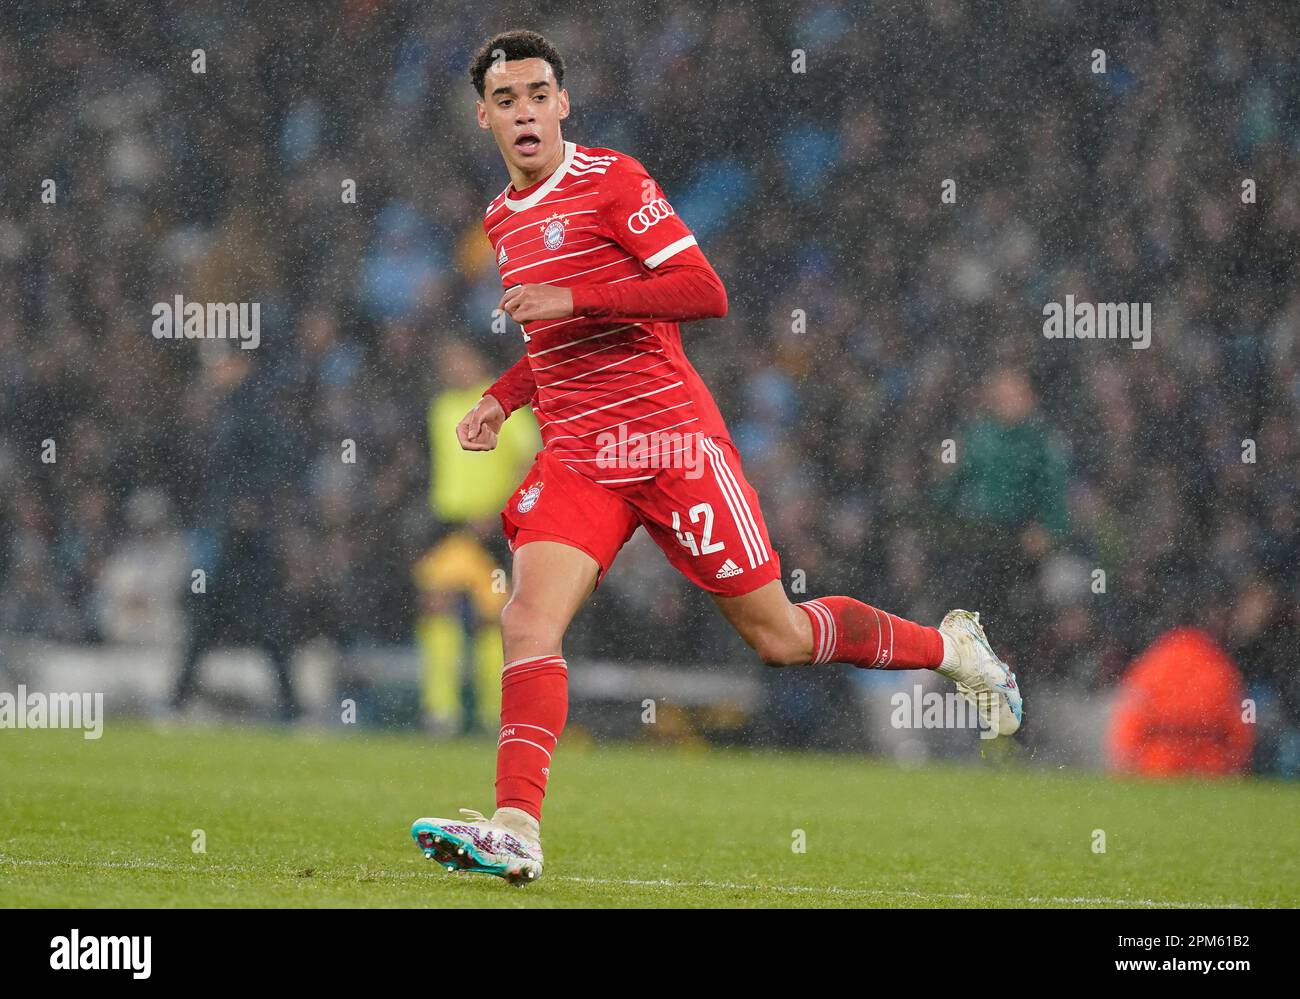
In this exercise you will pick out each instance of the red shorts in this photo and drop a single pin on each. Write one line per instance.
(705, 519)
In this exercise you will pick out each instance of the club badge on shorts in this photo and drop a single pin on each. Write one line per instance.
(553, 231)
(529, 499)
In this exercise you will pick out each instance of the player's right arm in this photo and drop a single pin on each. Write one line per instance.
(479, 429)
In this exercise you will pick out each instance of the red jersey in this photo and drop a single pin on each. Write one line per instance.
(598, 220)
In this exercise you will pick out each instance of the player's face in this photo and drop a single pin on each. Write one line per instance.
(522, 106)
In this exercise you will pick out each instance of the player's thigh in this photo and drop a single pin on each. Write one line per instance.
(549, 583)
(707, 520)
(565, 532)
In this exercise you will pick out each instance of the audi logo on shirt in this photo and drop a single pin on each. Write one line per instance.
(656, 211)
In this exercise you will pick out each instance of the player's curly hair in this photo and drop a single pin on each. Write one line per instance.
(518, 44)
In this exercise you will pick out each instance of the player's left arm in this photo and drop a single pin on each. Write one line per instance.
(634, 213)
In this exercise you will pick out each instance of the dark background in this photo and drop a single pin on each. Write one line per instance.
(815, 191)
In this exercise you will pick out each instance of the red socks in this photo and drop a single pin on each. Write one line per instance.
(848, 631)
(534, 704)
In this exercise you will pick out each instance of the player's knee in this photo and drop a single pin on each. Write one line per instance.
(525, 626)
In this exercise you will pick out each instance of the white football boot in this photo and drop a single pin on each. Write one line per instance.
(479, 845)
(981, 677)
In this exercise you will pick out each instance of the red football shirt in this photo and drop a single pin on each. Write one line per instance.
(600, 219)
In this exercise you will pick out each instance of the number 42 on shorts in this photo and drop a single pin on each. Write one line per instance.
(687, 539)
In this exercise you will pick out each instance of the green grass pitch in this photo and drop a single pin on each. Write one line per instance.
(292, 818)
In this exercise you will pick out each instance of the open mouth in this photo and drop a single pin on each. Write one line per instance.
(528, 143)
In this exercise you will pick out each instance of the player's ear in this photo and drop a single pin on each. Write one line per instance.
(564, 104)
(481, 110)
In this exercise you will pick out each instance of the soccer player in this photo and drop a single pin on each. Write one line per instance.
(598, 270)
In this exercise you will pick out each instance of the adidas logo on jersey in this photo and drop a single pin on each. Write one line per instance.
(501, 257)
(729, 569)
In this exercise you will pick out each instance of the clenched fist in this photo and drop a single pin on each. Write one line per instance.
(478, 430)
(527, 303)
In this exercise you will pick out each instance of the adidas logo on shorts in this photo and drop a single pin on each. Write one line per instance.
(729, 569)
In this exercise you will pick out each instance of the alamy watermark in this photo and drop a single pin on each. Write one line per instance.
(919, 708)
(182, 320)
(102, 953)
(1099, 321)
(653, 450)
(81, 710)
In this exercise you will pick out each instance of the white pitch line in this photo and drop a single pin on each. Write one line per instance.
(124, 865)
(1145, 903)
(876, 892)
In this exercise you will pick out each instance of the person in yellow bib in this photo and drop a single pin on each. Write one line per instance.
(461, 582)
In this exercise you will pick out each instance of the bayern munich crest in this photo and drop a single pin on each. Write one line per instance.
(529, 499)
(553, 230)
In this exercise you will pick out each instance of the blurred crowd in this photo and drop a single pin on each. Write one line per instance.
(916, 440)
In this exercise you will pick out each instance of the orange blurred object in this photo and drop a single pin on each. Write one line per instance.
(1179, 711)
